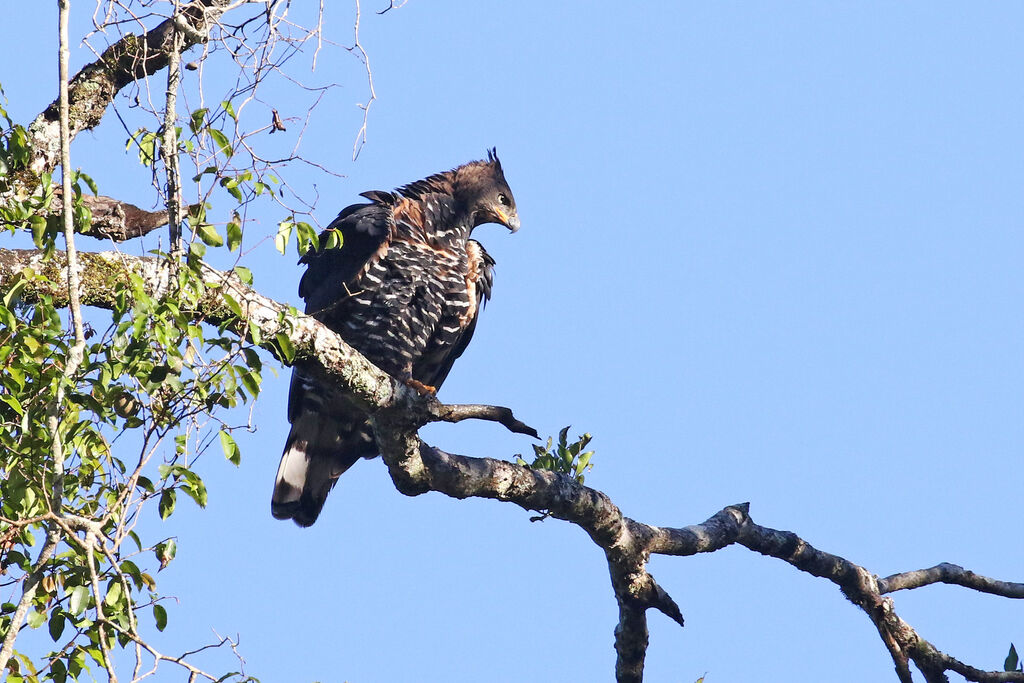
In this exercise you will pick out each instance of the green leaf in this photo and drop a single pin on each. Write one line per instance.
(13, 403)
(234, 229)
(87, 179)
(158, 374)
(79, 599)
(56, 625)
(231, 185)
(196, 489)
(113, 593)
(231, 452)
(244, 274)
(38, 232)
(230, 302)
(251, 381)
(196, 122)
(36, 619)
(230, 109)
(584, 460)
(166, 551)
(132, 570)
(1010, 664)
(208, 234)
(15, 290)
(307, 238)
(222, 142)
(255, 332)
(285, 344)
(167, 500)
(284, 233)
(334, 239)
(160, 615)
(147, 146)
(58, 673)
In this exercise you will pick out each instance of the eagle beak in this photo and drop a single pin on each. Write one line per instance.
(509, 220)
(512, 222)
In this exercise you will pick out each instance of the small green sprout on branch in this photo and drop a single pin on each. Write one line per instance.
(565, 458)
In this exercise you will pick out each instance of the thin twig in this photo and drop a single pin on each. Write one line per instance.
(365, 59)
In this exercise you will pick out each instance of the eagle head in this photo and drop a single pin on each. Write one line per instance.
(482, 187)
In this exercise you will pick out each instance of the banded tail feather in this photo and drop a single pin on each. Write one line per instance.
(319, 449)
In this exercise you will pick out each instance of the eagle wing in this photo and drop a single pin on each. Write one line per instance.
(479, 281)
(364, 229)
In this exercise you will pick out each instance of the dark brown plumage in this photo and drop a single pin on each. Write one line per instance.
(405, 289)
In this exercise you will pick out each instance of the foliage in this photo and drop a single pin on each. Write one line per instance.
(95, 455)
(566, 458)
(155, 382)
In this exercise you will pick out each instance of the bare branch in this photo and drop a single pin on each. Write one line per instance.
(112, 219)
(950, 573)
(476, 411)
(391, 6)
(631, 640)
(397, 413)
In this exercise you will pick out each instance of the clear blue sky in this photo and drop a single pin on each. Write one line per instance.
(771, 252)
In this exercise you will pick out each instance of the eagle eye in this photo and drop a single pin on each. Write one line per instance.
(503, 199)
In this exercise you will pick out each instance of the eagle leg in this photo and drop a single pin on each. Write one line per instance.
(414, 384)
(420, 387)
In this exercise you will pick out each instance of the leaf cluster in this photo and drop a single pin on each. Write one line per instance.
(566, 458)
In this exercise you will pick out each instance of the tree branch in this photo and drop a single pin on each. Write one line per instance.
(112, 219)
(106, 274)
(169, 144)
(397, 413)
(950, 573)
(475, 411)
(120, 221)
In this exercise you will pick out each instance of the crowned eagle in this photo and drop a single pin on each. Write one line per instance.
(404, 288)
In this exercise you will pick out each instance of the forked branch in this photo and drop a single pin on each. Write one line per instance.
(398, 412)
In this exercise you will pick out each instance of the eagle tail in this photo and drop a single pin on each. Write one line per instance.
(314, 457)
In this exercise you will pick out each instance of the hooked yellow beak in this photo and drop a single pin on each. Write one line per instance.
(509, 220)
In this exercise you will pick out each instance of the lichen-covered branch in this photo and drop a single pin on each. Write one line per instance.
(104, 275)
(397, 413)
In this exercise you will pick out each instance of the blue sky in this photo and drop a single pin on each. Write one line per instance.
(771, 252)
